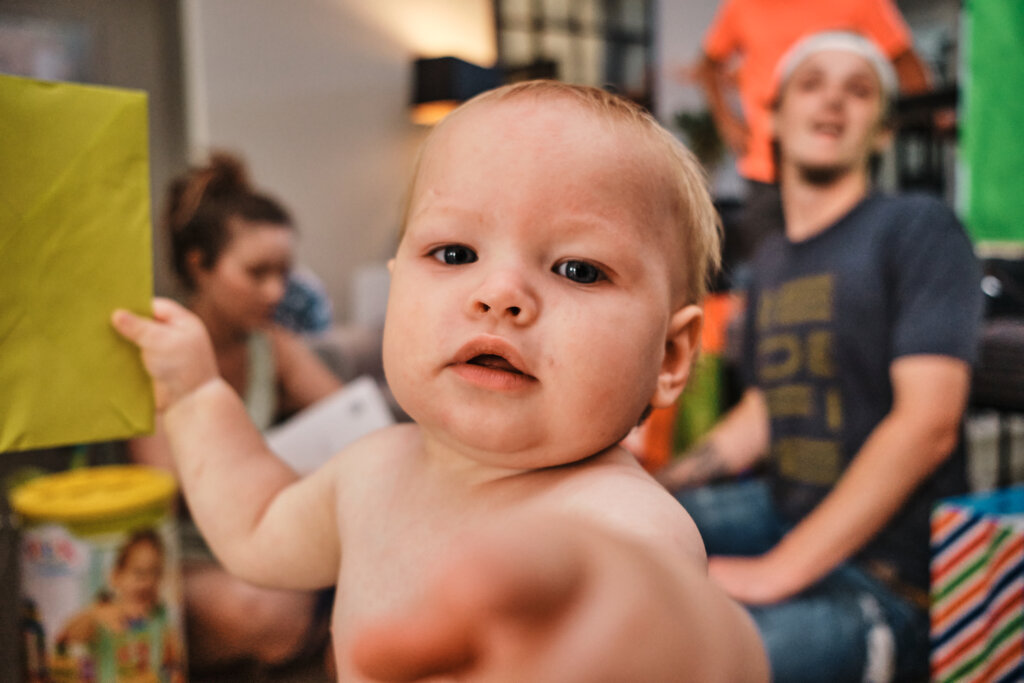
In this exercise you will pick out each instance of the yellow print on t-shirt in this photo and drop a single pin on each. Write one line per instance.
(795, 354)
(805, 300)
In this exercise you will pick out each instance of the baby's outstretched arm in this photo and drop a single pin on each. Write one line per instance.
(555, 600)
(263, 522)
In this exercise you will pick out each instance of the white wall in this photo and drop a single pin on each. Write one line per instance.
(314, 94)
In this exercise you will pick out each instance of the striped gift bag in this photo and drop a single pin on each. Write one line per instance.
(977, 587)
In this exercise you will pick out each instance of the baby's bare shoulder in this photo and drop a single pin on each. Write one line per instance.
(614, 490)
(371, 459)
(381, 448)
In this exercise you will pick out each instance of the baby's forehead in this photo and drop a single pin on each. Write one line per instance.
(557, 123)
(648, 170)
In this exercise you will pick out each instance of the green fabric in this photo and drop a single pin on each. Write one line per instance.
(75, 243)
(700, 406)
(138, 649)
(992, 121)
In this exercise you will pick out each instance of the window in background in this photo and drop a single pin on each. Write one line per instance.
(48, 49)
(605, 43)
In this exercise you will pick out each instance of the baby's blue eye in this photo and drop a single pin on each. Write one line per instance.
(580, 271)
(454, 254)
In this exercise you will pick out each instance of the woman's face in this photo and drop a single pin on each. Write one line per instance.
(245, 284)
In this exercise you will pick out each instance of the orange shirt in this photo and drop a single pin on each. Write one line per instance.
(759, 32)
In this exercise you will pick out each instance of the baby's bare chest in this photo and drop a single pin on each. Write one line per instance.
(392, 545)
(391, 551)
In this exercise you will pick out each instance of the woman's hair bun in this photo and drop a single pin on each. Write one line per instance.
(226, 176)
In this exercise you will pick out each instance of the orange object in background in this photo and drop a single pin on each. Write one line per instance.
(718, 311)
(656, 436)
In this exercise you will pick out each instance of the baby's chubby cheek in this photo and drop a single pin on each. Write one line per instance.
(607, 395)
(399, 359)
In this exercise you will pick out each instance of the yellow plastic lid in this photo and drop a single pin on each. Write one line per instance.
(93, 493)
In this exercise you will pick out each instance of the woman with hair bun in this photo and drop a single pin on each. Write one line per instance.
(232, 249)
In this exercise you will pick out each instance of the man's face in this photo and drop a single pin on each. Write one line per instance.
(829, 118)
(530, 294)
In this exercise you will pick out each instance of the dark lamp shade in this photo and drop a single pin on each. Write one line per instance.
(442, 83)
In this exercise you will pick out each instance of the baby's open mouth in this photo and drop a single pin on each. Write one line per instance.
(489, 360)
(494, 364)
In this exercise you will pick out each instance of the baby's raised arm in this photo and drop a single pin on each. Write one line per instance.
(263, 522)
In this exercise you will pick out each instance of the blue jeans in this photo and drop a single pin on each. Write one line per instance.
(847, 627)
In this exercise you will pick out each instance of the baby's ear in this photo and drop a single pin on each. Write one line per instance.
(681, 346)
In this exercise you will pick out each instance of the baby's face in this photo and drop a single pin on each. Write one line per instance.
(530, 296)
(138, 581)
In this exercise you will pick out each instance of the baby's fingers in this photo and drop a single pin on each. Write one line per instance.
(138, 329)
(414, 647)
(169, 311)
(485, 618)
(144, 331)
(130, 326)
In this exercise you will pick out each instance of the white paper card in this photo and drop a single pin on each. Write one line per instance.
(312, 436)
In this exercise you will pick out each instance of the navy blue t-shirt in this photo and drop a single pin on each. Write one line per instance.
(826, 317)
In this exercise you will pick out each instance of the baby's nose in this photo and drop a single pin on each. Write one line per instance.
(506, 295)
(512, 310)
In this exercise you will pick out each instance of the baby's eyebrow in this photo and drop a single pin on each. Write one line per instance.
(595, 223)
(442, 207)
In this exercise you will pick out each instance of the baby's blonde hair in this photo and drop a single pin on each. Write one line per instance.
(698, 223)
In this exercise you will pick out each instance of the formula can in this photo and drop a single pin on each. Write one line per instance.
(101, 578)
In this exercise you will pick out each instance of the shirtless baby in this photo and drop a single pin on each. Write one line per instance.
(544, 297)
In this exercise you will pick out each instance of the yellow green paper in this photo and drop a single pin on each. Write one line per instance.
(75, 243)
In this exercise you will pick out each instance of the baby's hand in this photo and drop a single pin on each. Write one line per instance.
(544, 601)
(176, 349)
(485, 619)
